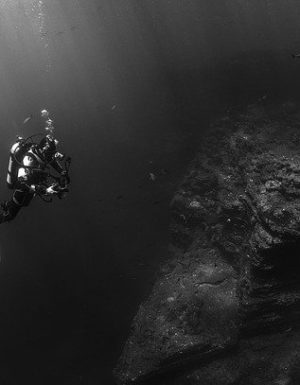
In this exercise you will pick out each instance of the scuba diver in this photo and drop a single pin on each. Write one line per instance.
(35, 169)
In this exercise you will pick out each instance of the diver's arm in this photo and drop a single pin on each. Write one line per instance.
(23, 179)
(65, 179)
(57, 166)
(55, 163)
(40, 189)
(24, 182)
(25, 175)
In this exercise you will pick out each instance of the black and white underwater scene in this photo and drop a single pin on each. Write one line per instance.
(150, 192)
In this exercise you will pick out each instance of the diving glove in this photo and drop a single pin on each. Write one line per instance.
(51, 190)
(38, 189)
(56, 189)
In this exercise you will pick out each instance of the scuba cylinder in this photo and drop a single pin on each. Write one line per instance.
(22, 146)
(17, 152)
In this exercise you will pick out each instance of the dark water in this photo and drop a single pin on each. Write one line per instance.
(132, 85)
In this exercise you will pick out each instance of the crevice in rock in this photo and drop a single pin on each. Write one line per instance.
(274, 300)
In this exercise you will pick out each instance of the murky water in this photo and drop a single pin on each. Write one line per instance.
(132, 86)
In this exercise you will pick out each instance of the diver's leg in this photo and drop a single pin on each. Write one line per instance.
(20, 199)
(10, 211)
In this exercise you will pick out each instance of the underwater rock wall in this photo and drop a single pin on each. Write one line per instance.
(225, 308)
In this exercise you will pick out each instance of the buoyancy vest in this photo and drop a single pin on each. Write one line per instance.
(36, 158)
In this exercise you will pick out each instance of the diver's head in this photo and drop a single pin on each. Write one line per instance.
(45, 114)
(47, 148)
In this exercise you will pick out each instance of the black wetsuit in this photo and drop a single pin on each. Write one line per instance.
(35, 176)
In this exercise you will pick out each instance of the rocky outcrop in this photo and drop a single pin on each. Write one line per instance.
(225, 309)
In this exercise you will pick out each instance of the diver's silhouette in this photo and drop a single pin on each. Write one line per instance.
(35, 169)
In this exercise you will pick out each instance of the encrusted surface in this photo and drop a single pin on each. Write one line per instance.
(231, 283)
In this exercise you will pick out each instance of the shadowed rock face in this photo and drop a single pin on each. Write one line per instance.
(225, 309)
